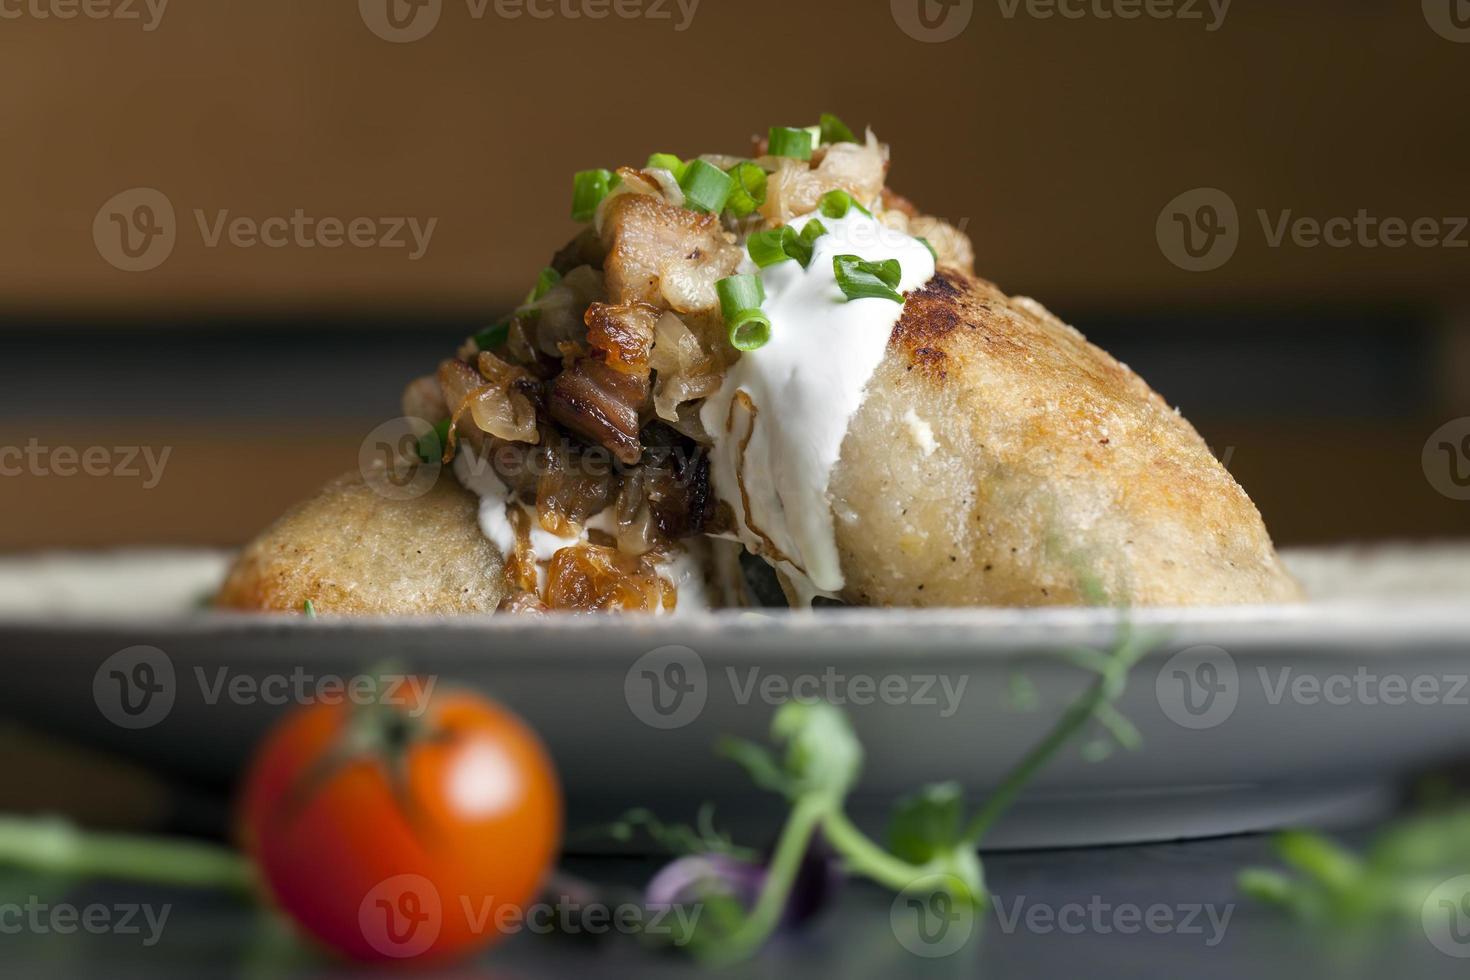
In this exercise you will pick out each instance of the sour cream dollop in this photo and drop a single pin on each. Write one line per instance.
(775, 448)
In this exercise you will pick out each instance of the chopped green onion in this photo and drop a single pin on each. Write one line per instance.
(493, 335)
(549, 277)
(431, 444)
(750, 330)
(766, 247)
(666, 161)
(740, 303)
(858, 278)
(308, 609)
(925, 242)
(738, 293)
(749, 190)
(800, 246)
(706, 187)
(784, 141)
(780, 244)
(589, 187)
(836, 204)
(834, 130)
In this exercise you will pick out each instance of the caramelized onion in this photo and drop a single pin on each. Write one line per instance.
(686, 370)
(592, 578)
(556, 318)
(569, 492)
(622, 334)
(796, 188)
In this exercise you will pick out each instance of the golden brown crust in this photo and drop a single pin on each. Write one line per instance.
(351, 550)
(1035, 470)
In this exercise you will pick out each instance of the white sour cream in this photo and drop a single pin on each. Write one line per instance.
(805, 384)
(684, 569)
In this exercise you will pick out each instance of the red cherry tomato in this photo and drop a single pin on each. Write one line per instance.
(404, 831)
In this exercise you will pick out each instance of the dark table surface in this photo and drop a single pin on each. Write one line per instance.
(1161, 910)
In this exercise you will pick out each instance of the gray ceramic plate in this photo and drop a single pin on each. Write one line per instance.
(1249, 717)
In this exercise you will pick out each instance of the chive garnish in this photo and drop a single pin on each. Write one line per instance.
(858, 278)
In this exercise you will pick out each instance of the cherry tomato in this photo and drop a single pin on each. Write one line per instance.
(403, 831)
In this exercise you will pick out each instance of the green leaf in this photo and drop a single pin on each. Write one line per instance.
(822, 753)
(1323, 860)
(927, 823)
(1267, 885)
(757, 762)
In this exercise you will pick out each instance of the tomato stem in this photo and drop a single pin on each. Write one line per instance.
(55, 846)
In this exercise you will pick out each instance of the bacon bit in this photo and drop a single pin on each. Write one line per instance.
(622, 336)
(599, 404)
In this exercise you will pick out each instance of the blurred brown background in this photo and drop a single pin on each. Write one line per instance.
(1057, 141)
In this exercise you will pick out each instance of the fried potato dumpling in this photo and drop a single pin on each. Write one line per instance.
(999, 459)
(350, 549)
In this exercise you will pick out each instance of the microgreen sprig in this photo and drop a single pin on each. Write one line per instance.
(928, 843)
